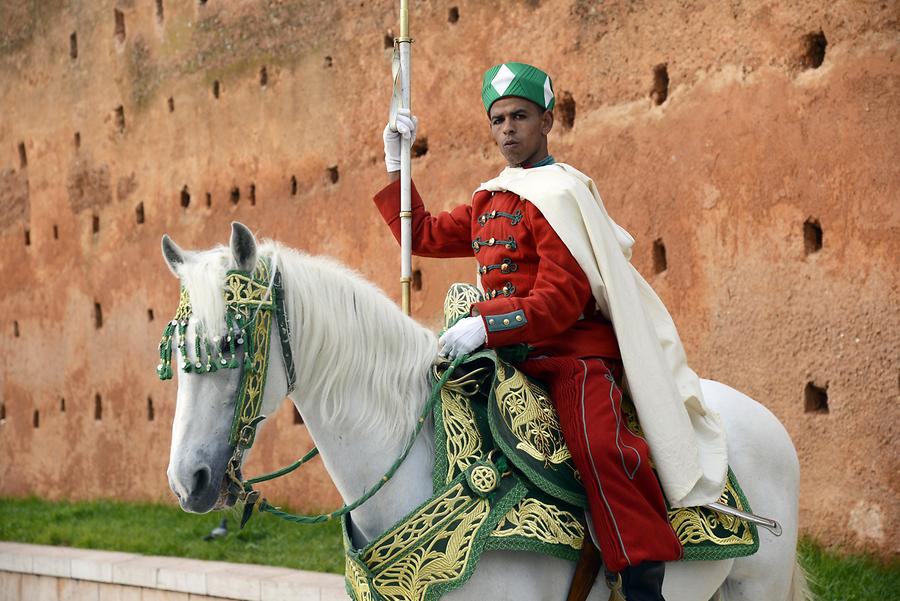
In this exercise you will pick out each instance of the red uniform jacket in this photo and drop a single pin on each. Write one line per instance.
(537, 293)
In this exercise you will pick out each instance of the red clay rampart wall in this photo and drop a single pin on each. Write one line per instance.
(750, 146)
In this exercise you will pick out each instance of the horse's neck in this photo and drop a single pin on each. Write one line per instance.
(361, 365)
(357, 460)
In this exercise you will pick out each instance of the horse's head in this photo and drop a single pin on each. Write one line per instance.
(223, 335)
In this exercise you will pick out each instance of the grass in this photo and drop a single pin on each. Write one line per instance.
(838, 577)
(153, 529)
(164, 530)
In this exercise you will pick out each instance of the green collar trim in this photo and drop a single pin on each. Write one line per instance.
(548, 160)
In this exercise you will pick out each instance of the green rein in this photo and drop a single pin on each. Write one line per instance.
(251, 497)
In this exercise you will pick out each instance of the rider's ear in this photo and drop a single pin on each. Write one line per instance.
(173, 254)
(243, 247)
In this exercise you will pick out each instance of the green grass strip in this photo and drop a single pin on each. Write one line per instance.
(154, 529)
(836, 576)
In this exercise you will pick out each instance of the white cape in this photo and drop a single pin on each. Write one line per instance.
(686, 439)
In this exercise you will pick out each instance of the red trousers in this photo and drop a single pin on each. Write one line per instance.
(625, 499)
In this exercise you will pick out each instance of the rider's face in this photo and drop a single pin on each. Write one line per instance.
(520, 129)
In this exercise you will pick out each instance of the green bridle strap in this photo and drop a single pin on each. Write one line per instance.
(252, 496)
(283, 471)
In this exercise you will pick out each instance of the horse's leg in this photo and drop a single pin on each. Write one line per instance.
(522, 576)
(762, 456)
(694, 580)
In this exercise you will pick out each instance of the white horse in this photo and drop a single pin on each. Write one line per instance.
(362, 371)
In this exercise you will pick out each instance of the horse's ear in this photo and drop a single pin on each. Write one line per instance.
(243, 247)
(172, 253)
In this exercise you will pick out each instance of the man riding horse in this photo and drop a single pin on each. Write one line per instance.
(555, 274)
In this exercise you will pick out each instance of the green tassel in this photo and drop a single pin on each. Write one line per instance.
(197, 348)
(210, 362)
(165, 373)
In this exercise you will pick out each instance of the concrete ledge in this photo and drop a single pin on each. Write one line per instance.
(42, 573)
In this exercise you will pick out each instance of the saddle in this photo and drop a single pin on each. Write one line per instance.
(503, 478)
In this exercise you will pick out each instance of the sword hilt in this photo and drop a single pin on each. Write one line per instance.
(770, 525)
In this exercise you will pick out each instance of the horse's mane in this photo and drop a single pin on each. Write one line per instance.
(354, 350)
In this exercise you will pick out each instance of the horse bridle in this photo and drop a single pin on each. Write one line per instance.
(251, 300)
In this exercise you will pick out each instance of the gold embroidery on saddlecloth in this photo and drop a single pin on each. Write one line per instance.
(533, 518)
(532, 417)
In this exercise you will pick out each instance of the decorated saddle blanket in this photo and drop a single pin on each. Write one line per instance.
(503, 479)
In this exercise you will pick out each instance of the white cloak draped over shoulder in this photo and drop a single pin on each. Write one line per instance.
(686, 439)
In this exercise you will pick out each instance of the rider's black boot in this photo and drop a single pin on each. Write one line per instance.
(643, 582)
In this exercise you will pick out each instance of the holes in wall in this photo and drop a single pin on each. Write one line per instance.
(659, 91)
(201, 2)
(208, 200)
(814, 45)
(416, 279)
(159, 11)
(263, 77)
(293, 185)
(328, 62)
(55, 232)
(235, 195)
(815, 398)
(139, 213)
(73, 45)
(120, 118)
(2, 412)
(36, 419)
(419, 147)
(98, 316)
(150, 413)
(27, 237)
(251, 193)
(298, 419)
(453, 14)
(120, 25)
(171, 103)
(812, 236)
(565, 108)
(77, 139)
(185, 197)
(333, 175)
(95, 224)
(660, 263)
(389, 38)
(62, 405)
(15, 329)
(149, 314)
(216, 88)
(98, 407)
(23, 157)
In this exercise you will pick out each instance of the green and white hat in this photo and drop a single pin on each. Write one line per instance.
(517, 79)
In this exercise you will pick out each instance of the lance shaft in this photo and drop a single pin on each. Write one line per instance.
(404, 43)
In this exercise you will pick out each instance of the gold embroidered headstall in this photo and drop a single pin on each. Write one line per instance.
(251, 301)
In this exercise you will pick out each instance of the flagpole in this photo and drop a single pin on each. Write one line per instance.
(404, 42)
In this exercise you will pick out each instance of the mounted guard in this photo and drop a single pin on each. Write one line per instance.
(554, 269)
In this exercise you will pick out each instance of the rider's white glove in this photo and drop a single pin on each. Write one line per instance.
(406, 127)
(464, 337)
